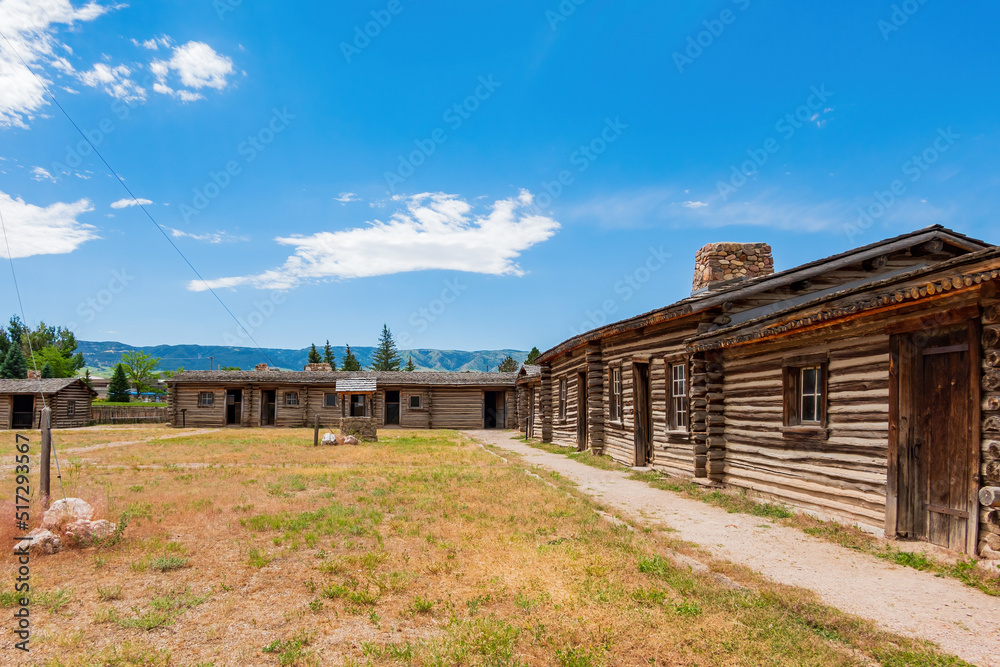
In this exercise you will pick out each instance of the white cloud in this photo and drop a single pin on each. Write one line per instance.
(197, 66)
(155, 43)
(434, 231)
(42, 174)
(31, 26)
(212, 237)
(125, 203)
(114, 81)
(694, 204)
(51, 230)
(347, 197)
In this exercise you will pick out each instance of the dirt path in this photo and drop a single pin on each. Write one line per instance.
(961, 620)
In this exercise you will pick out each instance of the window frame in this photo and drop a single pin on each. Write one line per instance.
(289, 402)
(678, 406)
(420, 402)
(563, 399)
(202, 403)
(326, 400)
(794, 395)
(364, 405)
(615, 392)
(71, 407)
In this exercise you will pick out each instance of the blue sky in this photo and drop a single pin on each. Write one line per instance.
(482, 176)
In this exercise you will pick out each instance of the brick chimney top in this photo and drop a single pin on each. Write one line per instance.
(317, 368)
(718, 263)
(260, 367)
(34, 375)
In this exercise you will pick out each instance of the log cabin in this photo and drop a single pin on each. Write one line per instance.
(269, 397)
(21, 402)
(857, 387)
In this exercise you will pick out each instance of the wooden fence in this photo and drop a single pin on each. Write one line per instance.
(123, 415)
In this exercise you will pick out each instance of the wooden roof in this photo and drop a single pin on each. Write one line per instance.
(383, 378)
(742, 289)
(46, 386)
(356, 386)
(958, 274)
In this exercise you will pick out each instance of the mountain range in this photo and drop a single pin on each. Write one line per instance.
(101, 356)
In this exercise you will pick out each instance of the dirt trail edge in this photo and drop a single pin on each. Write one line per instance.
(959, 619)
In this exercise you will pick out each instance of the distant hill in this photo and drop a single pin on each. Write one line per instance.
(104, 355)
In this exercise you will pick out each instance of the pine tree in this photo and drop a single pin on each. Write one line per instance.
(47, 371)
(350, 361)
(409, 365)
(533, 356)
(86, 379)
(118, 388)
(329, 357)
(314, 357)
(386, 357)
(14, 366)
(508, 365)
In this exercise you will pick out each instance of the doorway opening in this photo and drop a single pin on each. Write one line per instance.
(493, 409)
(22, 411)
(268, 406)
(643, 416)
(234, 406)
(581, 412)
(392, 408)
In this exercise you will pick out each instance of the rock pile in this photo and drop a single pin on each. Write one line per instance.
(68, 523)
(336, 440)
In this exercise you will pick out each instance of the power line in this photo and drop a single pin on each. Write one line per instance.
(136, 199)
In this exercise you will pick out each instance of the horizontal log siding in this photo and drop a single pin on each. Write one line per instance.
(5, 416)
(566, 368)
(841, 476)
(456, 408)
(197, 416)
(989, 458)
(672, 453)
(60, 406)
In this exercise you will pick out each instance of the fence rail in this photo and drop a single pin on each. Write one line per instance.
(122, 415)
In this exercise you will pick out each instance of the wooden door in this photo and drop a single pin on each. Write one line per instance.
(501, 409)
(530, 427)
(643, 418)
(935, 435)
(581, 412)
(392, 408)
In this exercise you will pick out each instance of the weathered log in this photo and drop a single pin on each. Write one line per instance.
(931, 247)
(991, 424)
(713, 367)
(992, 450)
(989, 496)
(705, 327)
(727, 307)
(875, 263)
(991, 338)
(722, 320)
(992, 541)
(991, 404)
(991, 381)
(993, 519)
(992, 358)
(992, 472)
(991, 315)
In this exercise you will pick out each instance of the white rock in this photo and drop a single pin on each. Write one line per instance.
(83, 532)
(44, 541)
(350, 440)
(66, 511)
(330, 439)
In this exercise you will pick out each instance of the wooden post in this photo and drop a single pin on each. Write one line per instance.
(46, 427)
(316, 432)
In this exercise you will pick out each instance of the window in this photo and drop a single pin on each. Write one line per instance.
(291, 398)
(359, 406)
(805, 395)
(329, 400)
(416, 402)
(70, 408)
(563, 389)
(206, 399)
(616, 393)
(678, 397)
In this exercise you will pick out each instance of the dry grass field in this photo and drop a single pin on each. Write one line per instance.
(251, 547)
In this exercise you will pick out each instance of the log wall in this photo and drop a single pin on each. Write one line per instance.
(458, 408)
(566, 368)
(989, 517)
(5, 416)
(838, 471)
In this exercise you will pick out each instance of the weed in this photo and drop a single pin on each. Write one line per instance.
(168, 563)
(292, 650)
(258, 558)
(108, 593)
(420, 605)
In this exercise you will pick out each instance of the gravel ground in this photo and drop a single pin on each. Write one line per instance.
(959, 619)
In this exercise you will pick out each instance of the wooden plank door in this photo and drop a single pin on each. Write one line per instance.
(935, 435)
(581, 412)
(643, 418)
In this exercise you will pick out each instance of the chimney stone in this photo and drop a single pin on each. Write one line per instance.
(34, 375)
(719, 263)
(260, 367)
(317, 368)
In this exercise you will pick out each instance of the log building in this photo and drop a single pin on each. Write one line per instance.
(863, 387)
(268, 397)
(21, 402)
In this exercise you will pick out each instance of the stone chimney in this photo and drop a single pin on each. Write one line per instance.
(260, 367)
(718, 263)
(317, 368)
(34, 375)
